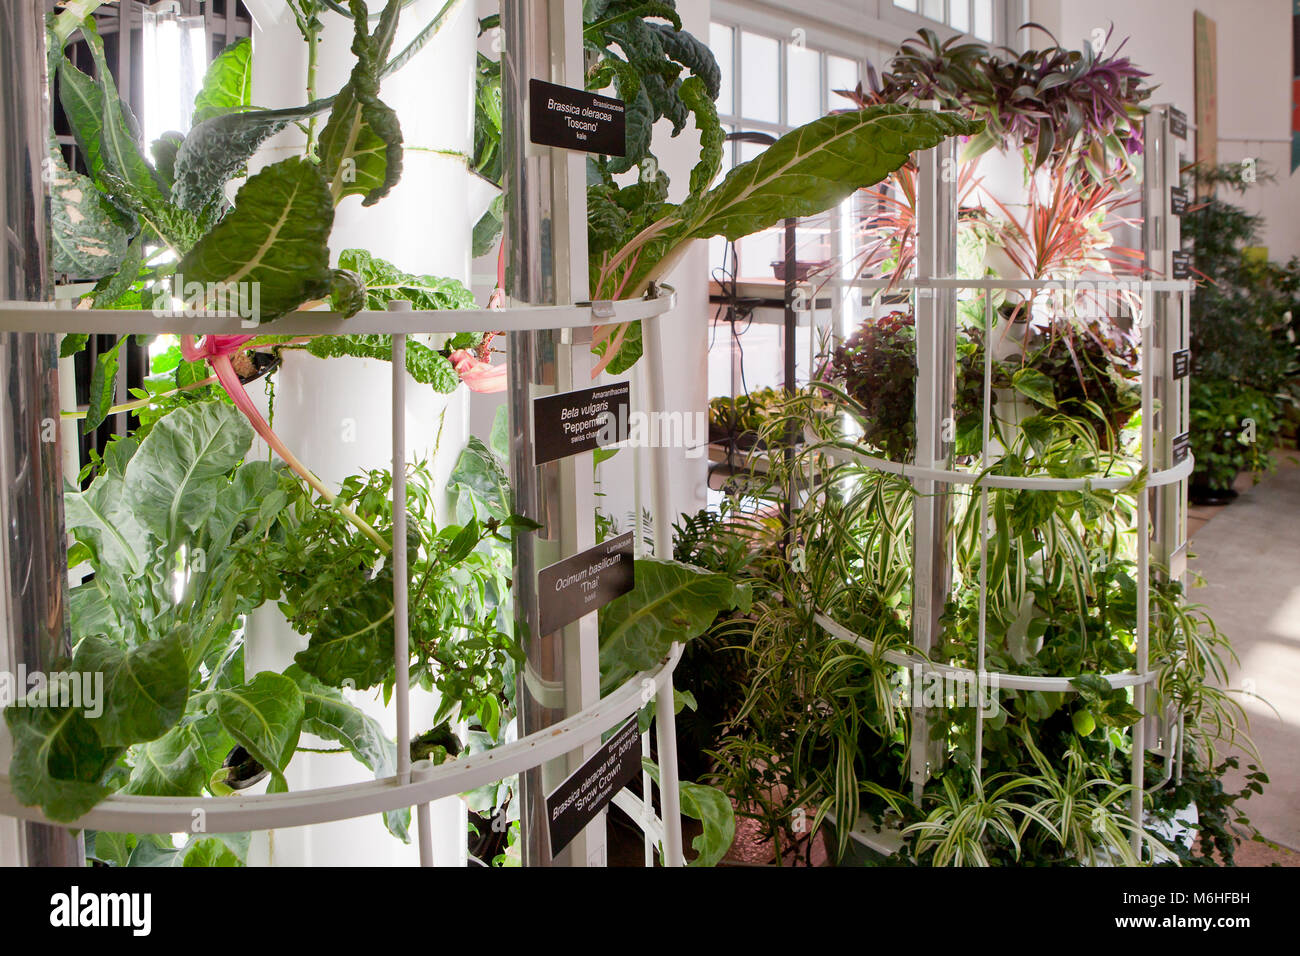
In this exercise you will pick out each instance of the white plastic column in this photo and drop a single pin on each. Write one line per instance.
(336, 415)
(936, 329)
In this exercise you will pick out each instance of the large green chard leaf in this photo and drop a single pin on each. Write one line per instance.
(174, 479)
(88, 243)
(182, 761)
(271, 252)
(805, 172)
(265, 717)
(671, 603)
(59, 763)
(812, 168)
(328, 715)
(361, 145)
(145, 688)
(712, 808)
(228, 86)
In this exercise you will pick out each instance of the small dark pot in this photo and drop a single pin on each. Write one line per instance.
(801, 269)
(1202, 495)
(264, 363)
(244, 769)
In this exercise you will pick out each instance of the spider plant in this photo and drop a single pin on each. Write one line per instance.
(1083, 810)
(963, 828)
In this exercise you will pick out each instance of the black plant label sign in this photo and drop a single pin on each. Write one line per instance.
(584, 583)
(573, 422)
(1182, 363)
(575, 803)
(1178, 123)
(575, 119)
(1178, 201)
(1181, 264)
(1182, 447)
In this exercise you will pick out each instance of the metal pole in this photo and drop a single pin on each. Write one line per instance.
(936, 347)
(788, 354)
(33, 556)
(665, 721)
(1165, 328)
(546, 233)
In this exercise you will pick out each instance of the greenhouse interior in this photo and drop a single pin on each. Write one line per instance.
(609, 433)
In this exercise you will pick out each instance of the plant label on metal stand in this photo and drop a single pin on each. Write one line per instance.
(546, 233)
(575, 119)
(585, 419)
(589, 789)
(586, 582)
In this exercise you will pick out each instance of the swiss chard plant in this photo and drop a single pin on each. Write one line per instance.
(160, 231)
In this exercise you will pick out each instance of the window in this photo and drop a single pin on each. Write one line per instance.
(975, 17)
(771, 84)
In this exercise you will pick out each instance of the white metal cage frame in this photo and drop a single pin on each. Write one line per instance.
(414, 784)
(950, 478)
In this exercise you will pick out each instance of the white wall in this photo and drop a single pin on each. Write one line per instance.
(1254, 83)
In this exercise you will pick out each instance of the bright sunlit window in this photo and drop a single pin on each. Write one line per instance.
(968, 16)
(175, 58)
(783, 82)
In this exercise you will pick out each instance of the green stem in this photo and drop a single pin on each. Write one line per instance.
(142, 402)
(313, 64)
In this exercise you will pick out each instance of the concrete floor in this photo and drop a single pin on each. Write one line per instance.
(1249, 555)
